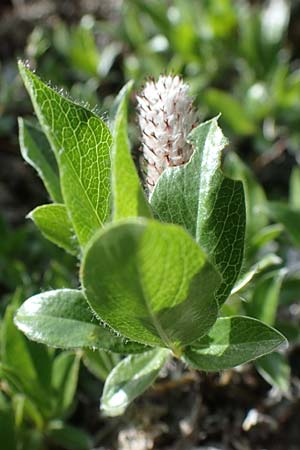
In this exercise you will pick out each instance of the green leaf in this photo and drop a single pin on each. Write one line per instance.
(100, 362)
(275, 369)
(265, 235)
(37, 152)
(130, 378)
(288, 216)
(81, 142)
(150, 281)
(291, 286)
(128, 196)
(62, 318)
(68, 437)
(233, 112)
(206, 203)
(7, 425)
(83, 52)
(265, 297)
(109, 55)
(25, 409)
(290, 330)
(12, 343)
(275, 17)
(295, 188)
(64, 381)
(33, 439)
(54, 223)
(156, 10)
(232, 341)
(265, 262)
(26, 365)
(254, 194)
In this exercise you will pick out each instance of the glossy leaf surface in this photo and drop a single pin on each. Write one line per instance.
(62, 319)
(130, 378)
(232, 341)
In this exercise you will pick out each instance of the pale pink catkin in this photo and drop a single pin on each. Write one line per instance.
(166, 117)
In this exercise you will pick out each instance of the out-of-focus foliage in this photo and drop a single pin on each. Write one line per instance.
(236, 56)
(233, 54)
(37, 385)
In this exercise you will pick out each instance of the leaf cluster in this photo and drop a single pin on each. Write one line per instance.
(154, 272)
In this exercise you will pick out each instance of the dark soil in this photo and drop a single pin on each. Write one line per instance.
(189, 410)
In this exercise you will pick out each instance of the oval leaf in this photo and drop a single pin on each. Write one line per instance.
(232, 341)
(130, 378)
(206, 203)
(62, 319)
(150, 282)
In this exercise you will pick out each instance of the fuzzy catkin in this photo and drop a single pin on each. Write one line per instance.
(166, 117)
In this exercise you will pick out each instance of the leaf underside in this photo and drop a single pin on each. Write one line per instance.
(130, 378)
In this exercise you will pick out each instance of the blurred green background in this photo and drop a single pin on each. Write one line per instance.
(241, 59)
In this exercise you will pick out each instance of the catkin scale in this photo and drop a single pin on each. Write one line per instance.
(166, 117)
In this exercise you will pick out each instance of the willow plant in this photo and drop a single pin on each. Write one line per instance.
(156, 264)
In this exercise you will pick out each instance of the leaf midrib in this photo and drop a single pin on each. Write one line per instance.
(66, 153)
(52, 138)
(242, 346)
(164, 337)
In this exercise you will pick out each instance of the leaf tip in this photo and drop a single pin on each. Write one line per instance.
(23, 67)
(284, 344)
(20, 122)
(30, 215)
